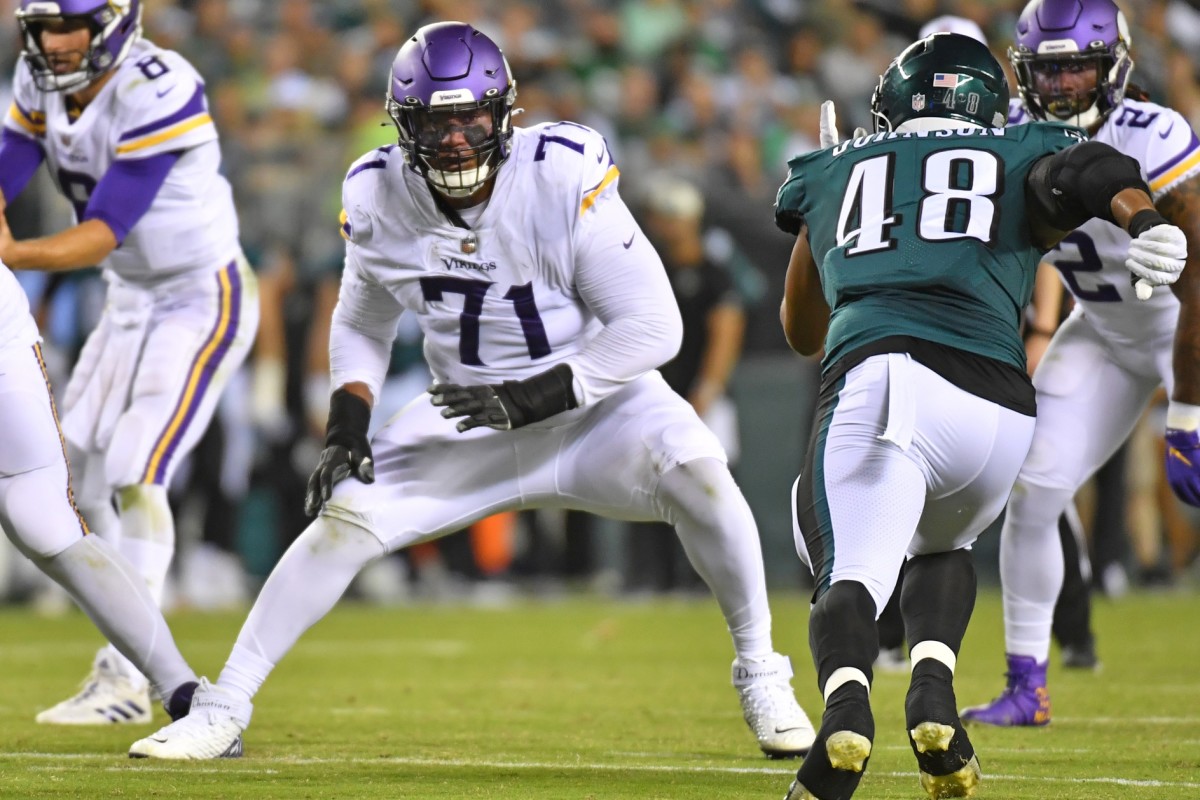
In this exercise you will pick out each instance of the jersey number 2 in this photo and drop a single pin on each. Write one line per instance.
(435, 287)
(957, 202)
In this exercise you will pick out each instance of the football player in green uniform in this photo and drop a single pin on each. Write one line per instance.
(915, 254)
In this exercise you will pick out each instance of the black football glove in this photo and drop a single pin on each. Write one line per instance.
(347, 451)
(508, 405)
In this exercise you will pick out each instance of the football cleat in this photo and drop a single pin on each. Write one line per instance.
(892, 660)
(108, 697)
(842, 748)
(212, 729)
(1025, 700)
(946, 759)
(1081, 656)
(770, 708)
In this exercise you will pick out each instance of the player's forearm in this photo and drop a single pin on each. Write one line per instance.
(85, 245)
(804, 313)
(1047, 300)
(1127, 203)
(726, 327)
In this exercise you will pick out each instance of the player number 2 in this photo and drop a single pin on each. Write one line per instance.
(434, 289)
(959, 187)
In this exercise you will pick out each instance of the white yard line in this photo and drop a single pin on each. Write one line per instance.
(572, 766)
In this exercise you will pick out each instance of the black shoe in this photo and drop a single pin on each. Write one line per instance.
(1082, 656)
(945, 757)
(180, 702)
(839, 756)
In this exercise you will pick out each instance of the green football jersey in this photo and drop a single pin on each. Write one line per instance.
(923, 234)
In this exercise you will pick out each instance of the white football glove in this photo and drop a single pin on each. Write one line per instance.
(829, 131)
(1156, 258)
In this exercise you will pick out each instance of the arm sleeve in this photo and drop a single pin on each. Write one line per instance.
(20, 156)
(1076, 184)
(628, 290)
(126, 191)
(363, 328)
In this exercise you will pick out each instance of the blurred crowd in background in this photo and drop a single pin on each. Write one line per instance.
(702, 103)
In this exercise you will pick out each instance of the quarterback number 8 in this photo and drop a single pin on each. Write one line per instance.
(959, 186)
(152, 67)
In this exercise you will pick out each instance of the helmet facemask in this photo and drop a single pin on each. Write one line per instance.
(1059, 40)
(456, 146)
(1038, 77)
(114, 27)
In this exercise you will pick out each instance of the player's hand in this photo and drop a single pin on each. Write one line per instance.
(507, 405)
(6, 238)
(347, 449)
(1156, 257)
(829, 131)
(336, 464)
(1183, 451)
(480, 406)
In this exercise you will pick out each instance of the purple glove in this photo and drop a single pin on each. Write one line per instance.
(1183, 464)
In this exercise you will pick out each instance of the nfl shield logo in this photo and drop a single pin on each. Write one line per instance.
(918, 102)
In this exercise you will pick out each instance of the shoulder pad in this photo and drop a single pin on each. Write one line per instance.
(570, 157)
(358, 192)
(160, 105)
(27, 113)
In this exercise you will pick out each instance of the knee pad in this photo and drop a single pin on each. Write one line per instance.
(146, 512)
(700, 490)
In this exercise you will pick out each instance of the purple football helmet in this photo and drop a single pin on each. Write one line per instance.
(1058, 37)
(115, 25)
(451, 97)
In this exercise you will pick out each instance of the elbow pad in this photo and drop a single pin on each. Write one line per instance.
(1079, 183)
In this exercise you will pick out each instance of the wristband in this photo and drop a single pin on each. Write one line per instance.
(1182, 416)
(1144, 220)
(349, 419)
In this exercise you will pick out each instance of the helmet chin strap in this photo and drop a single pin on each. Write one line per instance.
(1085, 119)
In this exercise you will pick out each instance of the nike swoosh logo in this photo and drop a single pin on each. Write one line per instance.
(164, 92)
(1167, 132)
(164, 741)
(630, 242)
(785, 730)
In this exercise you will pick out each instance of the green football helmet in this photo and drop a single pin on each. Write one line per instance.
(944, 75)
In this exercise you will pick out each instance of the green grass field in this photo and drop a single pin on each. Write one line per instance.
(590, 699)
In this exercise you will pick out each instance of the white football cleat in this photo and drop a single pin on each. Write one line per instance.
(108, 697)
(770, 708)
(212, 729)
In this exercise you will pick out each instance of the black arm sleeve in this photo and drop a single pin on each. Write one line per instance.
(1073, 185)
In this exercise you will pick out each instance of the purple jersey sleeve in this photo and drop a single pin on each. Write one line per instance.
(20, 157)
(126, 191)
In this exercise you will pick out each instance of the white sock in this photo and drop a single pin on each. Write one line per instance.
(304, 586)
(109, 591)
(1031, 568)
(717, 530)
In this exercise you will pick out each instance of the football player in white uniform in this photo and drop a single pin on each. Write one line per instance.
(545, 313)
(1106, 361)
(124, 128)
(38, 513)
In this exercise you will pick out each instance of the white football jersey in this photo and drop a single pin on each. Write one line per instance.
(1091, 259)
(17, 328)
(153, 104)
(554, 269)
